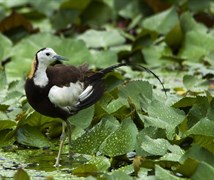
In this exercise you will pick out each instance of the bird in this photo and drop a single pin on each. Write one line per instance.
(60, 91)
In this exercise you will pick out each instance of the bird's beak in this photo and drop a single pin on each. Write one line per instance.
(60, 58)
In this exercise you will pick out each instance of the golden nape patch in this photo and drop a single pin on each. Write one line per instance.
(33, 69)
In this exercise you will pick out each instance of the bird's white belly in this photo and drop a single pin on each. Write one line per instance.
(66, 97)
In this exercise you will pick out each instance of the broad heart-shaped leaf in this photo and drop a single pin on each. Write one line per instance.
(150, 141)
(197, 44)
(194, 83)
(199, 110)
(161, 173)
(45, 8)
(153, 52)
(90, 14)
(199, 154)
(7, 137)
(31, 136)
(204, 170)
(89, 143)
(192, 158)
(203, 127)
(160, 115)
(153, 146)
(83, 118)
(139, 92)
(103, 59)
(185, 102)
(85, 170)
(121, 141)
(118, 175)
(202, 132)
(127, 9)
(25, 50)
(163, 22)
(174, 154)
(195, 7)
(7, 124)
(96, 39)
(115, 105)
(3, 81)
(5, 47)
(21, 174)
(188, 23)
(35, 119)
(102, 163)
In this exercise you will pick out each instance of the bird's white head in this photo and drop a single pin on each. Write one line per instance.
(47, 56)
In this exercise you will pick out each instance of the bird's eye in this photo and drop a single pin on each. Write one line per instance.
(47, 54)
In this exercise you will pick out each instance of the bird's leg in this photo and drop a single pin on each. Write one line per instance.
(62, 140)
(69, 137)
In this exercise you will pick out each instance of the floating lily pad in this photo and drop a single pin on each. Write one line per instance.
(31, 136)
(121, 141)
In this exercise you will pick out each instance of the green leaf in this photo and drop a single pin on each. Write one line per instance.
(85, 170)
(150, 141)
(198, 6)
(121, 141)
(7, 124)
(204, 141)
(185, 102)
(163, 22)
(21, 174)
(154, 146)
(199, 154)
(5, 47)
(163, 174)
(89, 15)
(197, 44)
(204, 170)
(45, 8)
(118, 175)
(31, 136)
(35, 119)
(189, 81)
(174, 154)
(115, 105)
(83, 118)
(103, 59)
(165, 117)
(127, 9)
(96, 39)
(198, 110)
(102, 163)
(194, 83)
(137, 90)
(7, 137)
(89, 143)
(203, 127)
(188, 23)
(154, 52)
(68, 15)
(3, 80)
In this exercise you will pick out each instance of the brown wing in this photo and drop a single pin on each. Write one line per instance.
(62, 75)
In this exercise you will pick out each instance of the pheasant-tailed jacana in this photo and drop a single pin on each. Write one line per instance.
(61, 90)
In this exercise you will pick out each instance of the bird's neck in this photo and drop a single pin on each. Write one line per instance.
(40, 76)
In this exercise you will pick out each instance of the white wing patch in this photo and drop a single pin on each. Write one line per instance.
(86, 93)
(68, 97)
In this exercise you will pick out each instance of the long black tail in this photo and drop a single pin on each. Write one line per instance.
(137, 66)
(98, 87)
